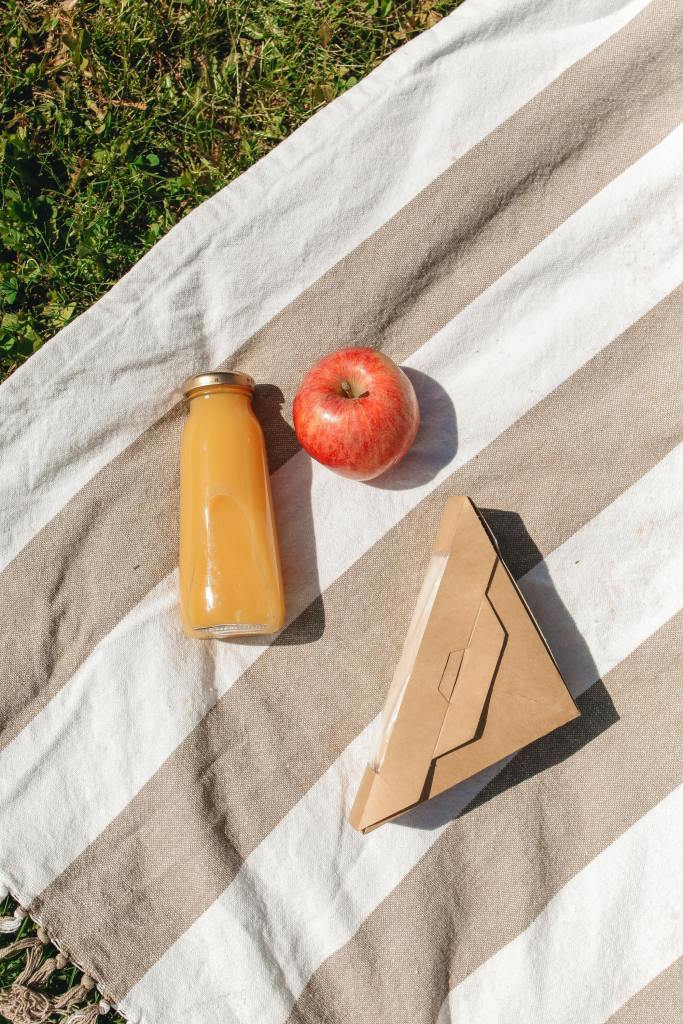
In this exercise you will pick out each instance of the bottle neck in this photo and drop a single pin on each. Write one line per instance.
(233, 393)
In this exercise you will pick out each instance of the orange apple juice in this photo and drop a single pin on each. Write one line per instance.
(230, 577)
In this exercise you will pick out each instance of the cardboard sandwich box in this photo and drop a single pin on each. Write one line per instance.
(475, 682)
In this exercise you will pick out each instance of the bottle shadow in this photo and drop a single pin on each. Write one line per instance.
(436, 442)
(299, 559)
(576, 664)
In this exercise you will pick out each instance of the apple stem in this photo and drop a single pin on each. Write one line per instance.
(347, 389)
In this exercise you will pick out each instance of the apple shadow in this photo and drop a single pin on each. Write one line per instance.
(436, 442)
(576, 664)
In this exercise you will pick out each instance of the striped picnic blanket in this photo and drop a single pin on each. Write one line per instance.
(499, 208)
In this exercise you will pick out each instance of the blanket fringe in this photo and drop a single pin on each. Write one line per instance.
(24, 1002)
(12, 924)
(89, 1014)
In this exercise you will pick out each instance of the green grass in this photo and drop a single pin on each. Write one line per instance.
(120, 116)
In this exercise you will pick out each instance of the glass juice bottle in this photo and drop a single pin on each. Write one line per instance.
(230, 576)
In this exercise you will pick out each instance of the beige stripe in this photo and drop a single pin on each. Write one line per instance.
(660, 1002)
(556, 807)
(395, 290)
(178, 844)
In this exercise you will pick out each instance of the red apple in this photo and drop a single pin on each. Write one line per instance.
(356, 412)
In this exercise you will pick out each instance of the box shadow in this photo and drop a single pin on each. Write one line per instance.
(598, 713)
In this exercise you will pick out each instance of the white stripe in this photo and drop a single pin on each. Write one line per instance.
(251, 249)
(612, 929)
(118, 717)
(316, 878)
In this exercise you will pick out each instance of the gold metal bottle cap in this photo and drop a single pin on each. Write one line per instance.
(217, 378)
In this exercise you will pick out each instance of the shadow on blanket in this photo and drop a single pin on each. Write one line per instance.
(597, 710)
(434, 448)
(282, 444)
(436, 442)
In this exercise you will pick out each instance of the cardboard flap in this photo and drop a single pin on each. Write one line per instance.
(375, 802)
(474, 680)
